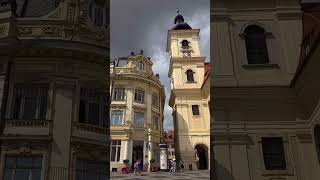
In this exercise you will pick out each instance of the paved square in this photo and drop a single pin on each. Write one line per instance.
(186, 175)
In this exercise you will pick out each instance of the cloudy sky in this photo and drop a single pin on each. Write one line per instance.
(143, 24)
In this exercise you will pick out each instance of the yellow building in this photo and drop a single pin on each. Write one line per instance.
(136, 112)
(189, 95)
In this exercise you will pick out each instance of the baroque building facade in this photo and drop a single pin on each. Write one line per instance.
(265, 102)
(53, 85)
(190, 90)
(136, 124)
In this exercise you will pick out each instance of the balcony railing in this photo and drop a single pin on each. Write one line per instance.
(90, 128)
(132, 71)
(61, 173)
(29, 123)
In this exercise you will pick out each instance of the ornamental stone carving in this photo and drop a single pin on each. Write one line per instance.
(25, 31)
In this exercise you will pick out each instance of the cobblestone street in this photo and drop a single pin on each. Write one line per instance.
(186, 175)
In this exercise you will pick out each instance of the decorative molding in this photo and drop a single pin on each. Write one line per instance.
(51, 30)
(2, 29)
(24, 31)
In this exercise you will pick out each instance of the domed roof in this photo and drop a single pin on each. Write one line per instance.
(179, 23)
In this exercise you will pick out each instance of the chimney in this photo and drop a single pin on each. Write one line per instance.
(157, 76)
(132, 53)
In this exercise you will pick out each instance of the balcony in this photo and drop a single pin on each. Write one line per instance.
(27, 127)
(89, 133)
(124, 70)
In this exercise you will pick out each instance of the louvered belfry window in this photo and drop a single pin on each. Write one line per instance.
(190, 77)
(256, 45)
(273, 153)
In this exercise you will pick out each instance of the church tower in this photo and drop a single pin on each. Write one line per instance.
(188, 100)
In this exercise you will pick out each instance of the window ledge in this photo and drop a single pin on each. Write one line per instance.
(277, 172)
(191, 82)
(260, 66)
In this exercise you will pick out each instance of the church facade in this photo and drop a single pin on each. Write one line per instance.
(265, 102)
(190, 92)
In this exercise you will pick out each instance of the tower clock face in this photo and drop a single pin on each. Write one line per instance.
(186, 54)
(98, 12)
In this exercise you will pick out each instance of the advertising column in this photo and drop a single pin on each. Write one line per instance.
(163, 157)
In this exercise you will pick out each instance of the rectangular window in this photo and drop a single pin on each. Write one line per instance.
(156, 122)
(119, 94)
(91, 108)
(273, 153)
(30, 103)
(138, 119)
(139, 95)
(195, 110)
(117, 117)
(91, 170)
(22, 167)
(155, 101)
(115, 150)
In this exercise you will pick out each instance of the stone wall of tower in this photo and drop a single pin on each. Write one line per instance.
(191, 131)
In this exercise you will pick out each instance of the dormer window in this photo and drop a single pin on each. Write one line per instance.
(185, 44)
(141, 66)
(99, 14)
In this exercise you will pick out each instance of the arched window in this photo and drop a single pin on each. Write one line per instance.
(185, 44)
(190, 77)
(317, 139)
(255, 39)
(140, 66)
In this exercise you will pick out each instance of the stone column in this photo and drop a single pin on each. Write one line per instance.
(130, 96)
(61, 132)
(150, 153)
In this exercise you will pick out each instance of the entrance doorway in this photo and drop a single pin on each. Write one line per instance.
(137, 152)
(202, 156)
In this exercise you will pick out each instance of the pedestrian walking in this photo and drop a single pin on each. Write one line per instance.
(181, 165)
(136, 167)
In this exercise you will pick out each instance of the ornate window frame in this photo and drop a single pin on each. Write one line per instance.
(25, 151)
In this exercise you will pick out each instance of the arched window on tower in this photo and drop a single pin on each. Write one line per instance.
(185, 44)
(190, 77)
(317, 139)
(256, 45)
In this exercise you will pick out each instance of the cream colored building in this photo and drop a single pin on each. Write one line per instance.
(189, 95)
(136, 112)
(53, 56)
(264, 113)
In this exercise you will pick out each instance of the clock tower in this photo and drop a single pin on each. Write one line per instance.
(189, 102)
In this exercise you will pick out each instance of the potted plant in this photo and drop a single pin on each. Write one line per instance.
(125, 170)
(153, 168)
